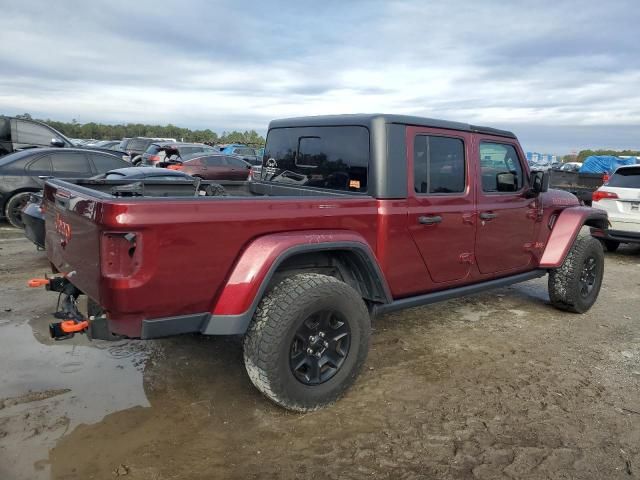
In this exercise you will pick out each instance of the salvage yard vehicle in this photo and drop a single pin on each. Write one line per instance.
(620, 198)
(580, 184)
(135, 147)
(21, 133)
(354, 216)
(22, 173)
(214, 167)
(159, 152)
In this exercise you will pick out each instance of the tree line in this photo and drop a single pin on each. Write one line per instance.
(101, 131)
(583, 154)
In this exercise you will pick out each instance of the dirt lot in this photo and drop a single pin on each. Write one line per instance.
(499, 385)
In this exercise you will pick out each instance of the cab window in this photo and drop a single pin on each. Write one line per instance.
(438, 165)
(500, 168)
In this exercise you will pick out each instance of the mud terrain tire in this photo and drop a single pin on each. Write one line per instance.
(574, 286)
(281, 332)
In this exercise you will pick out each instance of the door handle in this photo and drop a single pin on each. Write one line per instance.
(432, 220)
(488, 216)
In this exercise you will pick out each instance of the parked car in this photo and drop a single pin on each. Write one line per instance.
(33, 217)
(20, 134)
(580, 184)
(135, 147)
(248, 154)
(158, 152)
(385, 212)
(620, 198)
(21, 173)
(108, 144)
(215, 167)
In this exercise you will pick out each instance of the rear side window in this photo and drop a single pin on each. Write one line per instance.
(70, 164)
(41, 166)
(497, 159)
(104, 163)
(438, 164)
(335, 158)
(217, 161)
(626, 178)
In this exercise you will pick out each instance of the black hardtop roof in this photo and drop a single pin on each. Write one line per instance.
(367, 119)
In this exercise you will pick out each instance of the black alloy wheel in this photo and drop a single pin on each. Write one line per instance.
(320, 347)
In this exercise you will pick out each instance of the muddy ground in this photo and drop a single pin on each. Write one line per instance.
(493, 386)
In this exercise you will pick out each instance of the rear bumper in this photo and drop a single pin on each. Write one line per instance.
(33, 224)
(621, 236)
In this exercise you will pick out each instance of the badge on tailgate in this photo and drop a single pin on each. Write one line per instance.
(64, 229)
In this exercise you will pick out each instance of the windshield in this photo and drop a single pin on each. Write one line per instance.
(336, 158)
(625, 178)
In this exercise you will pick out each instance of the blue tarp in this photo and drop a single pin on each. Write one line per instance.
(605, 163)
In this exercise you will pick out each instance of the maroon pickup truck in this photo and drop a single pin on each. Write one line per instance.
(353, 216)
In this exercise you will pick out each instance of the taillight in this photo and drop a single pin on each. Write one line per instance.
(601, 194)
(174, 167)
(605, 178)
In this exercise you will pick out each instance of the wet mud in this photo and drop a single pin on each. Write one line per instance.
(498, 385)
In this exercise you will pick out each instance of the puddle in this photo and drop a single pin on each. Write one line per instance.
(47, 390)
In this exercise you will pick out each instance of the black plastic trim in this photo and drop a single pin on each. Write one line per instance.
(617, 235)
(448, 294)
(168, 326)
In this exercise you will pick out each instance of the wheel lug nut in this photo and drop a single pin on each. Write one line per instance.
(321, 334)
(310, 351)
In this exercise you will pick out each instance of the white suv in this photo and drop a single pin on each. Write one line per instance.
(620, 197)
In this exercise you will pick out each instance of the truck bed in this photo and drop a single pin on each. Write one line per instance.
(128, 253)
(582, 185)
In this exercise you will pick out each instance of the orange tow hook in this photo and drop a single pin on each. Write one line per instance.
(38, 282)
(69, 326)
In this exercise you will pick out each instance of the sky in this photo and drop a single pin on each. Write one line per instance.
(563, 75)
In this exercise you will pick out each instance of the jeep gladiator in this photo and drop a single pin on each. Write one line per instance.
(353, 216)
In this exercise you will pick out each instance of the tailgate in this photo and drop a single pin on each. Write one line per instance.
(73, 234)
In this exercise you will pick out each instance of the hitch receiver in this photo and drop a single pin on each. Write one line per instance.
(66, 329)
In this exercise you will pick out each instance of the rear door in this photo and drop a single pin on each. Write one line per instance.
(506, 217)
(441, 201)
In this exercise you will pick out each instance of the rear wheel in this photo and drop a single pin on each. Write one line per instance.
(575, 285)
(611, 245)
(14, 206)
(308, 341)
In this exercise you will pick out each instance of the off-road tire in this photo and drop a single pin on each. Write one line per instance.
(611, 245)
(281, 312)
(564, 282)
(14, 218)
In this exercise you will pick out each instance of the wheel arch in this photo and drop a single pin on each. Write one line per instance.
(272, 257)
(13, 193)
(566, 228)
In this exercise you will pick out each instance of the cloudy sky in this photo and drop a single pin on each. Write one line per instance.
(562, 74)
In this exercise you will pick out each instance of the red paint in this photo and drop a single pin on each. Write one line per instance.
(194, 255)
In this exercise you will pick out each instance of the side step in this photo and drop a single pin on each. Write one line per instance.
(442, 295)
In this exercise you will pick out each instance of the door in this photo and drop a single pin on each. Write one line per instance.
(239, 168)
(216, 168)
(441, 202)
(506, 216)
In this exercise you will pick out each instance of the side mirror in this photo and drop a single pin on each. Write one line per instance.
(56, 142)
(539, 182)
(506, 182)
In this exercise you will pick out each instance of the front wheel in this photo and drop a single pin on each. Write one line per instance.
(307, 342)
(574, 286)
